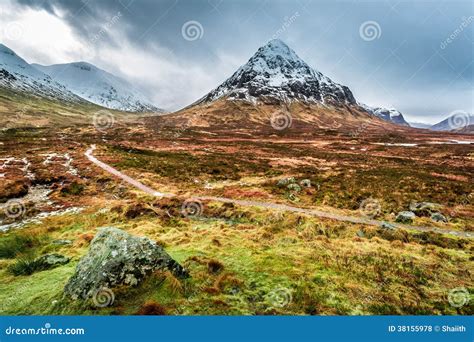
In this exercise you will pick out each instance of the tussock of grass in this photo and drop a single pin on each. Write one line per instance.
(15, 244)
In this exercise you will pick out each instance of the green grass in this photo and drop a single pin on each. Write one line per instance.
(15, 244)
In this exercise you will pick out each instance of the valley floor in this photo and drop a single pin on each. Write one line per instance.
(243, 259)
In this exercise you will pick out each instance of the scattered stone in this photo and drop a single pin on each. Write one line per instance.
(305, 183)
(61, 242)
(118, 258)
(285, 181)
(389, 226)
(405, 217)
(294, 187)
(51, 260)
(438, 217)
(424, 208)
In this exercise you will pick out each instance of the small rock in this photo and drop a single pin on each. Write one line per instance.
(285, 181)
(61, 242)
(438, 217)
(118, 258)
(305, 183)
(294, 187)
(360, 234)
(405, 217)
(424, 208)
(52, 260)
(389, 226)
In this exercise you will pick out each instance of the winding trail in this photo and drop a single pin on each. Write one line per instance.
(270, 205)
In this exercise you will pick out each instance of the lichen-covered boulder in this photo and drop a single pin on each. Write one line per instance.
(118, 258)
(405, 217)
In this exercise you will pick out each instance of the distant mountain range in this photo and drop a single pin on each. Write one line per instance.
(73, 82)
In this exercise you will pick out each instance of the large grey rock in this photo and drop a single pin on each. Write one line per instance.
(405, 217)
(118, 258)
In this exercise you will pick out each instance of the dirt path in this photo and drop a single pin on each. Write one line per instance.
(269, 205)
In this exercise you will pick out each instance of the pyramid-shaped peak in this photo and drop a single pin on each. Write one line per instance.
(275, 73)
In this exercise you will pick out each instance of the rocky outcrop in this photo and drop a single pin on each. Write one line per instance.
(118, 258)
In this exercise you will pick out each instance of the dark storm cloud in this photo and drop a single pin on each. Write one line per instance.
(420, 61)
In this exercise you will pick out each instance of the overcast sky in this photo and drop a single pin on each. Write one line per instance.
(416, 56)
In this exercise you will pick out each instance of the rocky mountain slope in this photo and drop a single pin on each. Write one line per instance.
(276, 74)
(16, 74)
(99, 86)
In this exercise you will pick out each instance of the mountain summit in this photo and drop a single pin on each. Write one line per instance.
(99, 86)
(276, 74)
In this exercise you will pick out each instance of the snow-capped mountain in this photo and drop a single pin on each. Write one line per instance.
(457, 121)
(98, 86)
(17, 74)
(276, 74)
(387, 114)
